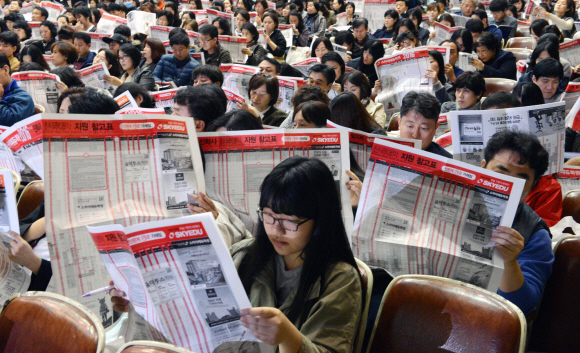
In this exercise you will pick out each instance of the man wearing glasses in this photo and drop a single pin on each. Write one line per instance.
(213, 52)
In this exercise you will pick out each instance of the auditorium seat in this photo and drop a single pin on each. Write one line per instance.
(521, 42)
(571, 205)
(150, 347)
(523, 32)
(30, 198)
(48, 322)
(494, 84)
(367, 281)
(434, 314)
(556, 326)
(393, 125)
(520, 53)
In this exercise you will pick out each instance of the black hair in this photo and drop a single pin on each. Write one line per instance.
(498, 5)
(208, 29)
(513, 10)
(422, 103)
(473, 81)
(23, 25)
(314, 112)
(133, 53)
(253, 31)
(344, 37)
(315, 3)
(274, 62)
(203, 102)
(3, 26)
(68, 76)
(348, 111)
(481, 14)
(500, 100)
(43, 12)
(447, 17)
(326, 71)
(405, 22)
(136, 90)
(84, 36)
(441, 63)
(66, 33)
(474, 26)
(552, 49)
(334, 56)
(488, 40)
(198, 4)
(417, 13)
(168, 15)
(83, 11)
(123, 30)
(12, 17)
(342, 7)
(301, 25)
(180, 39)
(360, 80)
(273, 16)
(224, 25)
(73, 93)
(289, 71)
(392, 14)
(538, 26)
(351, 4)
(51, 27)
(244, 14)
(112, 60)
(327, 43)
(219, 4)
(237, 120)
(401, 37)
(4, 62)
(467, 39)
(376, 49)
(303, 187)
(63, 16)
(36, 55)
(309, 93)
(555, 30)
(175, 31)
(96, 14)
(12, 39)
(548, 68)
(453, 42)
(209, 71)
(31, 66)
(528, 93)
(94, 103)
(526, 145)
(359, 21)
(549, 37)
(191, 14)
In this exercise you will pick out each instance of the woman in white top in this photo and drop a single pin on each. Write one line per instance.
(562, 16)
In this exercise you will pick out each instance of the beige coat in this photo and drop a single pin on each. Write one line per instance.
(377, 111)
(332, 323)
(231, 228)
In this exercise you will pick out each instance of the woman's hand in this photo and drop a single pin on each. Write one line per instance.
(354, 186)
(307, 54)
(272, 327)
(478, 64)
(432, 74)
(378, 87)
(296, 33)
(118, 299)
(21, 253)
(432, 34)
(336, 87)
(247, 51)
(536, 10)
(204, 204)
(112, 80)
(577, 70)
(248, 108)
(60, 86)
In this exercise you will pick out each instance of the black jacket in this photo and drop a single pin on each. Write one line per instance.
(280, 41)
(503, 65)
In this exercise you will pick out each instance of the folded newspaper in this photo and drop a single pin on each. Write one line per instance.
(420, 213)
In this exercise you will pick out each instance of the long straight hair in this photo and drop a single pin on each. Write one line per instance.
(304, 188)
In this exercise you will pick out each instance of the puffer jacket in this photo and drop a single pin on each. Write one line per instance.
(170, 69)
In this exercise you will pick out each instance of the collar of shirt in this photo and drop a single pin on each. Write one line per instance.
(261, 114)
(9, 89)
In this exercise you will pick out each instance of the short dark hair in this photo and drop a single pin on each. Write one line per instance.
(123, 30)
(94, 103)
(526, 145)
(175, 31)
(202, 101)
(473, 81)
(132, 52)
(290, 71)
(314, 112)
(538, 26)
(500, 100)
(68, 76)
(83, 11)
(528, 93)
(272, 86)
(481, 14)
(555, 30)
(325, 70)
(549, 37)
(168, 15)
(489, 40)
(359, 21)
(236, 120)
(10, 38)
(253, 31)
(82, 36)
(548, 68)
(447, 17)
(344, 37)
(51, 27)
(423, 103)
(210, 30)
(96, 14)
(20, 24)
(451, 41)
(179, 39)
(360, 80)
(274, 62)
(12, 16)
(551, 48)
(136, 90)
(334, 56)
(498, 5)
(474, 26)
(66, 33)
(4, 61)
(73, 93)
(43, 12)
(274, 18)
(209, 71)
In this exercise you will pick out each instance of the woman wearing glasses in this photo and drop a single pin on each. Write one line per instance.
(263, 91)
(492, 60)
(299, 271)
(129, 58)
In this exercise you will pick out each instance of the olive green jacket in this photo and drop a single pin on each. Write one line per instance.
(336, 305)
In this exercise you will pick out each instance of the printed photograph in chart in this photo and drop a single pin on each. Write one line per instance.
(218, 305)
(471, 137)
(483, 216)
(547, 120)
(177, 186)
(175, 155)
(473, 272)
(202, 266)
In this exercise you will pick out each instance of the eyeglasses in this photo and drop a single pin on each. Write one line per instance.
(285, 224)
(123, 58)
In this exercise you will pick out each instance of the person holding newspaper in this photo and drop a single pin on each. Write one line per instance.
(299, 271)
(213, 52)
(563, 16)
(177, 67)
(493, 61)
(255, 52)
(16, 104)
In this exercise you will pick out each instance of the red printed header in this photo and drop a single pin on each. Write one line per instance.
(33, 75)
(24, 135)
(570, 44)
(54, 128)
(402, 57)
(163, 236)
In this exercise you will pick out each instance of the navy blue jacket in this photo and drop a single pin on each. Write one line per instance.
(503, 65)
(383, 33)
(170, 69)
(16, 104)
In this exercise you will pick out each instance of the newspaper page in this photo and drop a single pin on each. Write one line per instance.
(200, 15)
(193, 38)
(126, 100)
(287, 31)
(460, 20)
(237, 78)
(420, 213)
(41, 86)
(48, 59)
(25, 140)
(465, 60)
(7, 160)
(571, 95)
(139, 21)
(400, 74)
(213, 14)
(54, 9)
(234, 45)
(102, 170)
(288, 87)
(232, 100)
(135, 111)
(236, 163)
(94, 76)
(571, 51)
(340, 20)
(442, 32)
(361, 143)
(35, 28)
(108, 23)
(305, 65)
(199, 57)
(569, 178)
(13, 277)
(164, 99)
(180, 277)
(443, 125)
(471, 130)
(26, 10)
(160, 32)
(374, 10)
(97, 42)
